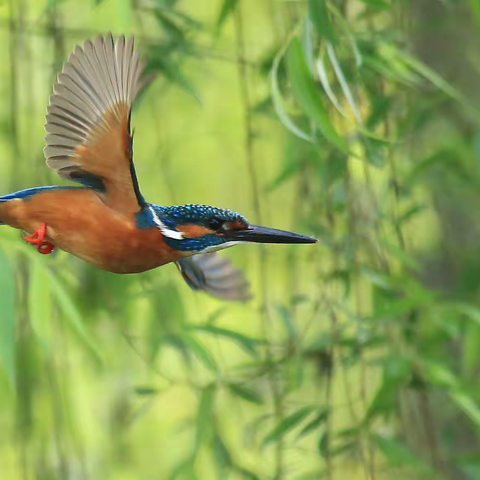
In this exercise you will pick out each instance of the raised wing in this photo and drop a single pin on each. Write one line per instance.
(88, 122)
(215, 275)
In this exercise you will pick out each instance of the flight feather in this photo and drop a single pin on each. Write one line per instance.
(88, 136)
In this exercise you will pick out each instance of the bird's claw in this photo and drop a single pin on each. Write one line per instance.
(37, 239)
(45, 248)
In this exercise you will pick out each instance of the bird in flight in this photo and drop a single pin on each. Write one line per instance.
(106, 221)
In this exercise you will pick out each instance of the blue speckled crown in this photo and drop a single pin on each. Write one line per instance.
(198, 214)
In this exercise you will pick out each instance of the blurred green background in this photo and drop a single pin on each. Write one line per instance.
(356, 121)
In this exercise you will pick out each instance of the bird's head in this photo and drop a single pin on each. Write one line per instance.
(201, 228)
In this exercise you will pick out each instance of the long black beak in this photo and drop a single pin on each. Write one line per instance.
(257, 234)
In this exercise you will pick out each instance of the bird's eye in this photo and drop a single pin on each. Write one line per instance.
(215, 224)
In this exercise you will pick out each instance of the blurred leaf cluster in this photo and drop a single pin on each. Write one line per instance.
(353, 121)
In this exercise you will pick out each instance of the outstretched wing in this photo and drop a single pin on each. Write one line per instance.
(215, 275)
(88, 122)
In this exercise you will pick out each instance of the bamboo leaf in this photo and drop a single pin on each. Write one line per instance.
(441, 376)
(347, 31)
(471, 350)
(146, 391)
(397, 372)
(320, 17)
(307, 43)
(288, 424)
(308, 95)
(246, 343)
(419, 68)
(246, 393)
(312, 475)
(227, 8)
(377, 278)
(323, 445)
(174, 32)
(392, 69)
(289, 170)
(288, 322)
(377, 4)
(200, 352)
(343, 82)
(224, 459)
(72, 314)
(323, 77)
(205, 417)
(401, 255)
(159, 60)
(278, 103)
(313, 425)
(397, 454)
(475, 9)
(469, 464)
(63, 300)
(247, 474)
(410, 213)
(468, 405)
(184, 469)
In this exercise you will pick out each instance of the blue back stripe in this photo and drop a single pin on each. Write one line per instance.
(29, 192)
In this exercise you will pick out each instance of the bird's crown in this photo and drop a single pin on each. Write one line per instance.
(211, 217)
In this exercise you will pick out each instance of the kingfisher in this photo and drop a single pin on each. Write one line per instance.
(105, 220)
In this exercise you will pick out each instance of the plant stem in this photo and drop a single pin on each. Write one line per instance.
(368, 463)
(14, 56)
(275, 385)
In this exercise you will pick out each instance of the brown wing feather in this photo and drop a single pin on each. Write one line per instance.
(88, 121)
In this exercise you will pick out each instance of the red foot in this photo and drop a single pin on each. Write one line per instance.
(37, 238)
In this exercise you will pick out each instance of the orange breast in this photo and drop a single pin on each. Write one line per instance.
(79, 222)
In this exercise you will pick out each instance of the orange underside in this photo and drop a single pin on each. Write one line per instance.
(79, 222)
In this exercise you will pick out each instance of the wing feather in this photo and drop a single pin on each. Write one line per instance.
(88, 119)
(215, 275)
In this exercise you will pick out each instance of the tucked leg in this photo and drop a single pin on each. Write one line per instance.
(37, 238)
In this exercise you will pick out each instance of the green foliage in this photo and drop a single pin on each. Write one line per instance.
(228, 7)
(246, 393)
(397, 455)
(358, 357)
(306, 92)
(319, 14)
(288, 424)
(7, 324)
(40, 306)
(246, 343)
